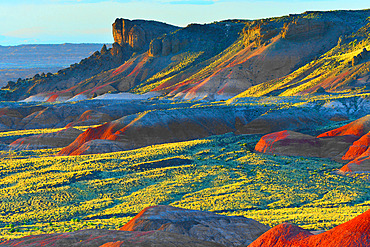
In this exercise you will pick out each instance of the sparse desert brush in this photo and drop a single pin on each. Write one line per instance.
(46, 194)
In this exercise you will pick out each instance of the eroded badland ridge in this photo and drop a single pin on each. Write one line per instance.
(290, 55)
(233, 133)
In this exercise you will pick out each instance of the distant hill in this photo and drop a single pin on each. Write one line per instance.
(291, 55)
(24, 61)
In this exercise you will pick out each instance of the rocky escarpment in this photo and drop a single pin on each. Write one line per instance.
(209, 38)
(137, 34)
(260, 32)
(274, 56)
(303, 29)
(129, 36)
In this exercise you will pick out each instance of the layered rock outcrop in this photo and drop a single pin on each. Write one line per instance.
(137, 34)
(304, 28)
(196, 37)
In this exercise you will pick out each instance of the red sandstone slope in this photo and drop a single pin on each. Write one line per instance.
(357, 148)
(359, 127)
(360, 164)
(265, 144)
(296, 144)
(354, 233)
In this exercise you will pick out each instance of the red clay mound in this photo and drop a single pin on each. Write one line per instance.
(265, 144)
(359, 128)
(354, 233)
(157, 127)
(359, 151)
(52, 98)
(360, 164)
(100, 132)
(357, 148)
(296, 144)
(281, 235)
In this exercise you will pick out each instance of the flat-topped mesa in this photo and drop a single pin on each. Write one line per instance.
(197, 37)
(138, 33)
(303, 29)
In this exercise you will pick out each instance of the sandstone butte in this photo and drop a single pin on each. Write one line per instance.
(354, 233)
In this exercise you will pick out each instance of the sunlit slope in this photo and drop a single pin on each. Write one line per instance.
(289, 55)
(57, 194)
(344, 67)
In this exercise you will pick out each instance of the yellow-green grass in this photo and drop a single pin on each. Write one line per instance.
(58, 194)
(26, 132)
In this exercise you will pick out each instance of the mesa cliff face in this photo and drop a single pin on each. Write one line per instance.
(130, 36)
(137, 34)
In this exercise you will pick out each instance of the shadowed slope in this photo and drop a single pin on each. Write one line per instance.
(154, 127)
(100, 237)
(58, 139)
(230, 231)
(296, 144)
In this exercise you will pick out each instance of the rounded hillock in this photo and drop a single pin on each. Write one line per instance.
(207, 226)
